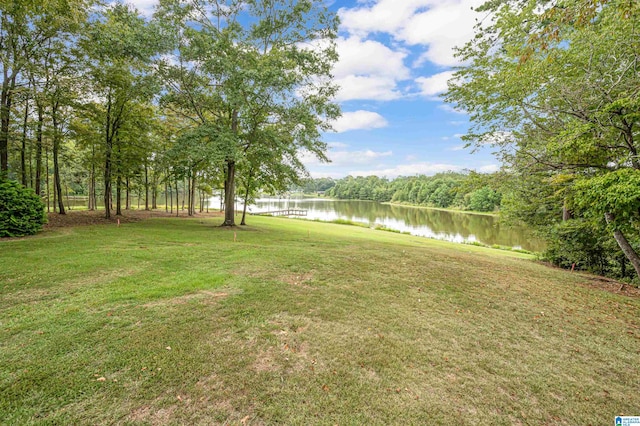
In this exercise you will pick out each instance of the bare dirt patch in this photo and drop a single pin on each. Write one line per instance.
(298, 280)
(612, 286)
(159, 416)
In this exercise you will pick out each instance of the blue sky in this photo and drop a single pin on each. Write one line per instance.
(395, 59)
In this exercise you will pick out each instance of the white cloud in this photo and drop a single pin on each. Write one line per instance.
(435, 84)
(359, 120)
(457, 148)
(382, 16)
(368, 69)
(446, 24)
(367, 88)
(439, 25)
(145, 7)
(490, 168)
(368, 57)
(345, 158)
(421, 168)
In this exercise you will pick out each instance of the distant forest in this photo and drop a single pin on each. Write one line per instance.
(465, 191)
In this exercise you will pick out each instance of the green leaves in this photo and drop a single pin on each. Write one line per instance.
(21, 210)
(617, 193)
(562, 80)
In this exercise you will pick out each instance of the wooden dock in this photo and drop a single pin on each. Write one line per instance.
(286, 212)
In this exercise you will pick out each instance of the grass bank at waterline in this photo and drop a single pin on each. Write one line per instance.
(169, 321)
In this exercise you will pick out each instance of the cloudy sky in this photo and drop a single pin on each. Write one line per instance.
(395, 59)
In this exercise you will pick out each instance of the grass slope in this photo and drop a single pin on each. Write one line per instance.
(169, 321)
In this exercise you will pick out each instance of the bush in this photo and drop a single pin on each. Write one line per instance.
(21, 210)
(582, 242)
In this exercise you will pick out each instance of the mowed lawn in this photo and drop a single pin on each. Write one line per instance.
(171, 321)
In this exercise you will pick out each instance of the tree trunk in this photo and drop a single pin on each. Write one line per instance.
(626, 248)
(244, 208)
(166, 197)
(39, 150)
(127, 202)
(184, 186)
(177, 202)
(66, 194)
(107, 161)
(154, 190)
(47, 180)
(229, 193)
(146, 187)
(188, 194)
(56, 166)
(193, 193)
(229, 181)
(246, 196)
(93, 195)
(119, 195)
(90, 205)
(23, 151)
(170, 194)
(31, 166)
(5, 115)
(107, 183)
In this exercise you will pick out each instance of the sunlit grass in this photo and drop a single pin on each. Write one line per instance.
(169, 321)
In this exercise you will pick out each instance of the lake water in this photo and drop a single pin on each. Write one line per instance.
(424, 222)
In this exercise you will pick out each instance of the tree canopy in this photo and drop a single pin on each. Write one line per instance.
(198, 93)
(555, 86)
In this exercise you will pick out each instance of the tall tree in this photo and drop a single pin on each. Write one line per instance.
(118, 47)
(241, 65)
(556, 86)
(25, 28)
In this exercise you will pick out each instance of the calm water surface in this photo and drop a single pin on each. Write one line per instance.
(439, 224)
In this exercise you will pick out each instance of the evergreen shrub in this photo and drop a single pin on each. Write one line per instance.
(21, 210)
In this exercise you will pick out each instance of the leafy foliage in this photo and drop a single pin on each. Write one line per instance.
(616, 193)
(463, 191)
(555, 86)
(21, 210)
(484, 199)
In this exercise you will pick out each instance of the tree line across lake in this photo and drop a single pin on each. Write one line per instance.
(464, 191)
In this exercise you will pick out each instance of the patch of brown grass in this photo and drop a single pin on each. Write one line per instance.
(206, 297)
(297, 279)
(74, 218)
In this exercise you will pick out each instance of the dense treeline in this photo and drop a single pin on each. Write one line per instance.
(554, 87)
(468, 191)
(100, 102)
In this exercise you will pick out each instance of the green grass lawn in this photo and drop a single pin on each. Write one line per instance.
(169, 321)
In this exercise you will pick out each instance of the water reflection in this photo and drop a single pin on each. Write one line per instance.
(440, 224)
